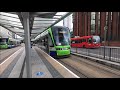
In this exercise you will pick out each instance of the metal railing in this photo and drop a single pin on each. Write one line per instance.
(107, 53)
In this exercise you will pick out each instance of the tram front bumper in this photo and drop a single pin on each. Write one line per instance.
(63, 52)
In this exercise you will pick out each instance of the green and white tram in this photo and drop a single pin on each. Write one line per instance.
(57, 41)
(8, 43)
(4, 43)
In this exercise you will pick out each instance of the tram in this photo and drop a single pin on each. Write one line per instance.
(6, 43)
(57, 41)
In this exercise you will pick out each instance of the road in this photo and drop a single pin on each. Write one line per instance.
(7, 52)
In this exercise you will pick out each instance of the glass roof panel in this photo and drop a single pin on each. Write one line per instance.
(46, 22)
(39, 22)
(10, 19)
(61, 13)
(11, 23)
(7, 17)
(17, 30)
(8, 14)
(42, 20)
(37, 30)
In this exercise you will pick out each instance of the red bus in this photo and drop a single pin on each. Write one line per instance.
(86, 42)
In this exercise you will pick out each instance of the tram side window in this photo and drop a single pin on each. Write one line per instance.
(50, 40)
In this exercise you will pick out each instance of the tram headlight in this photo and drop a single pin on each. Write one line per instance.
(66, 48)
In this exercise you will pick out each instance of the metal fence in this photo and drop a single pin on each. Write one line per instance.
(107, 53)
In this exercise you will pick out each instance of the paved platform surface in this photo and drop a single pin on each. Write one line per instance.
(39, 69)
(42, 66)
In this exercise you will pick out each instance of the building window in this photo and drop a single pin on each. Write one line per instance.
(106, 24)
(92, 22)
(99, 23)
(106, 19)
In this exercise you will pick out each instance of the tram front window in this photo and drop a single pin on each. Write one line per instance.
(3, 41)
(61, 36)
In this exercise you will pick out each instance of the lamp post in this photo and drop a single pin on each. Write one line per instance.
(105, 30)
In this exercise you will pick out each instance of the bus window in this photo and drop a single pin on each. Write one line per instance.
(72, 41)
(83, 40)
(76, 41)
(94, 40)
(80, 41)
(90, 40)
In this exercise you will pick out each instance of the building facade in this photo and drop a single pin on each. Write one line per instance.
(93, 23)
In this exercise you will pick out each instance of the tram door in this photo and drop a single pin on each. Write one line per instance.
(50, 44)
(46, 44)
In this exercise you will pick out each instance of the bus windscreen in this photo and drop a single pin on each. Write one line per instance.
(96, 39)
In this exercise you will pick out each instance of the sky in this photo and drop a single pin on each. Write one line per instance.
(18, 36)
(59, 24)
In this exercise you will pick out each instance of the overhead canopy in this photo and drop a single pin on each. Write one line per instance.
(39, 21)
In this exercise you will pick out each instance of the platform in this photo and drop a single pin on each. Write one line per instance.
(42, 65)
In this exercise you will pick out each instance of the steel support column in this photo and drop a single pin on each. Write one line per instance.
(27, 43)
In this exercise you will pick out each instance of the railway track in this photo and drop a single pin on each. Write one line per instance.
(85, 68)
(6, 53)
(88, 69)
(73, 69)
